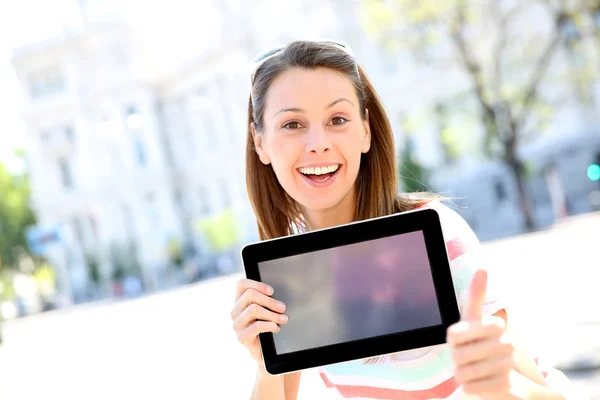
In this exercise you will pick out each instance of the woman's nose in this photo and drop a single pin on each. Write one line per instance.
(318, 141)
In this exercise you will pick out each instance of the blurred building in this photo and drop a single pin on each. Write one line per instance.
(95, 148)
(127, 157)
(124, 160)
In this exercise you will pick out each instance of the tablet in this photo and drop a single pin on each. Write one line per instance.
(356, 291)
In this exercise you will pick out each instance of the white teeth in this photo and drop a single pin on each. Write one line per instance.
(319, 170)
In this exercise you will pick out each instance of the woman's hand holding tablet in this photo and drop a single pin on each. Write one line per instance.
(255, 312)
(354, 291)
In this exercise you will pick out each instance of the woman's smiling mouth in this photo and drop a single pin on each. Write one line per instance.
(320, 175)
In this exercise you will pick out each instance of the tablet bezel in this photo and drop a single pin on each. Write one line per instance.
(425, 220)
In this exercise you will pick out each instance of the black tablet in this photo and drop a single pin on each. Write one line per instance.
(355, 291)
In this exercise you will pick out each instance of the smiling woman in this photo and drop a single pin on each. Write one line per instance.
(318, 138)
(320, 153)
(311, 134)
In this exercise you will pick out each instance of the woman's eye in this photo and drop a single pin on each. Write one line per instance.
(292, 125)
(338, 121)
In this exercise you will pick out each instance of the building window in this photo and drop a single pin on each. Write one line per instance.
(151, 209)
(129, 220)
(46, 137)
(134, 124)
(93, 220)
(179, 203)
(597, 19)
(46, 82)
(209, 129)
(203, 200)
(183, 116)
(134, 118)
(140, 151)
(500, 190)
(78, 230)
(202, 91)
(65, 173)
(70, 134)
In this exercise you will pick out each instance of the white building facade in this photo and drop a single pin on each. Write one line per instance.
(127, 158)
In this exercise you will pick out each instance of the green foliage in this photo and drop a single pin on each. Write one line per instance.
(123, 261)
(413, 176)
(504, 60)
(93, 268)
(15, 214)
(8, 291)
(175, 252)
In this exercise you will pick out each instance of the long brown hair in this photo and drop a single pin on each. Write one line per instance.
(277, 214)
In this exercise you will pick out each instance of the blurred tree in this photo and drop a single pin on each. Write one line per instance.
(504, 58)
(118, 259)
(175, 252)
(6, 284)
(93, 267)
(15, 214)
(413, 175)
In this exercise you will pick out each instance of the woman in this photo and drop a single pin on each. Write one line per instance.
(320, 153)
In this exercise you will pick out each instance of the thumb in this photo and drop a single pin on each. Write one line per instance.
(474, 308)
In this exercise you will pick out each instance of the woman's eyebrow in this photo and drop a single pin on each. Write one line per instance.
(295, 109)
(338, 101)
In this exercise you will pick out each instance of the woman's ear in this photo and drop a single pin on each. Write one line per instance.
(258, 145)
(366, 139)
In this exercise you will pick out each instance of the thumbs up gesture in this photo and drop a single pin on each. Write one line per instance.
(481, 351)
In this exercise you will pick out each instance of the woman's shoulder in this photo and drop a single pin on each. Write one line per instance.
(454, 226)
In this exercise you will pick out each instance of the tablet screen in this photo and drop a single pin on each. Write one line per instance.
(357, 291)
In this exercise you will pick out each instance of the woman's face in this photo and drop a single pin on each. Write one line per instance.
(313, 136)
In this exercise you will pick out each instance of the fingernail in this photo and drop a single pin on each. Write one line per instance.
(270, 290)
(283, 318)
(281, 306)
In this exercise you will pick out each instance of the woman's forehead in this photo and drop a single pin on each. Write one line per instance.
(309, 88)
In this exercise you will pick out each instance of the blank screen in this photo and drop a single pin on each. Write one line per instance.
(353, 292)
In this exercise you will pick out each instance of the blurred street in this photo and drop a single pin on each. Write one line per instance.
(179, 344)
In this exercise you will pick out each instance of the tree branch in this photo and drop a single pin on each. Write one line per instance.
(540, 69)
(499, 48)
(470, 64)
(550, 4)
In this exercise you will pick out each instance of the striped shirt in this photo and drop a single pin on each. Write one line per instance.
(426, 373)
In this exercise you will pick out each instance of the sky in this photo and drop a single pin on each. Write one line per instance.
(183, 26)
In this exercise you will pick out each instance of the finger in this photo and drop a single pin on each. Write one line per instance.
(496, 384)
(474, 308)
(489, 368)
(255, 312)
(252, 296)
(251, 332)
(489, 327)
(245, 284)
(479, 351)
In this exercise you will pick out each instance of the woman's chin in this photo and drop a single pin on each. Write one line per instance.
(319, 205)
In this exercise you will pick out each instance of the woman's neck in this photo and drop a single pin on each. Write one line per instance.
(342, 213)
